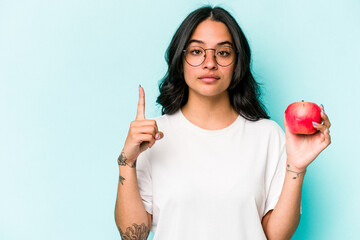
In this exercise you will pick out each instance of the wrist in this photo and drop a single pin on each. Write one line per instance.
(294, 168)
(124, 161)
(294, 171)
(296, 164)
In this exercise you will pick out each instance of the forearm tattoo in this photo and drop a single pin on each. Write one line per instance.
(297, 173)
(137, 232)
(122, 161)
(121, 179)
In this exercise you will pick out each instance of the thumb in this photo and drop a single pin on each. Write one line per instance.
(159, 135)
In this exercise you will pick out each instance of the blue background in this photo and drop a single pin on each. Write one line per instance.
(70, 71)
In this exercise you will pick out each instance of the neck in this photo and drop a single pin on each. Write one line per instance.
(210, 113)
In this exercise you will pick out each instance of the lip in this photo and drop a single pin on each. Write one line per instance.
(209, 78)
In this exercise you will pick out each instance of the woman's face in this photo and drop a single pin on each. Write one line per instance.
(209, 79)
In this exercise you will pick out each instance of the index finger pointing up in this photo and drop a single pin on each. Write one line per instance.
(141, 105)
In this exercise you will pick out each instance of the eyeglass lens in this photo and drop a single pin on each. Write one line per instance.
(195, 55)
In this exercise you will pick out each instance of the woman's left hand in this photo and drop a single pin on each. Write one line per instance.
(303, 149)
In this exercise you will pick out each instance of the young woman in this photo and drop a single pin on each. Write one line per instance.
(213, 166)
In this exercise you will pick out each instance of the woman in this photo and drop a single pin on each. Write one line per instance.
(222, 169)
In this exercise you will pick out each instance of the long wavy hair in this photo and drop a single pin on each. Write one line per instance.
(244, 91)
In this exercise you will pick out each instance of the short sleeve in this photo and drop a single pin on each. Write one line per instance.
(276, 168)
(143, 173)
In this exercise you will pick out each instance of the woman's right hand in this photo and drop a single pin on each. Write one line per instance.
(142, 133)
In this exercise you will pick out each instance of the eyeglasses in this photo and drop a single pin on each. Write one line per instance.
(223, 55)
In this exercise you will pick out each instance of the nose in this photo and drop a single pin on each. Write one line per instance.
(209, 61)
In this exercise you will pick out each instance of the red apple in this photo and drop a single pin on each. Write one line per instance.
(300, 115)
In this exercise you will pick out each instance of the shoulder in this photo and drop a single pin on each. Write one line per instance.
(267, 134)
(265, 127)
(166, 120)
(162, 119)
(265, 124)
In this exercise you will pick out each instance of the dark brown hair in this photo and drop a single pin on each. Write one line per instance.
(243, 91)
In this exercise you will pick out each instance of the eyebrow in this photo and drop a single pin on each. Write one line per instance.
(201, 42)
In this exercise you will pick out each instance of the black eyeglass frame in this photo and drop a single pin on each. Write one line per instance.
(236, 52)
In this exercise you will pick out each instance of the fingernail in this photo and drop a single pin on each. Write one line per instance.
(315, 123)
(323, 109)
(157, 136)
(326, 131)
(139, 85)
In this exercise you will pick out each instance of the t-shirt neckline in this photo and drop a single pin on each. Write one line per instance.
(189, 124)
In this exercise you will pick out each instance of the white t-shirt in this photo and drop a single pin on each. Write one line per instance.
(212, 184)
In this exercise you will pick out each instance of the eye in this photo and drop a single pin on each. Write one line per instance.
(195, 51)
(224, 52)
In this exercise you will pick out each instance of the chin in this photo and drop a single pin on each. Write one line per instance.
(213, 93)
